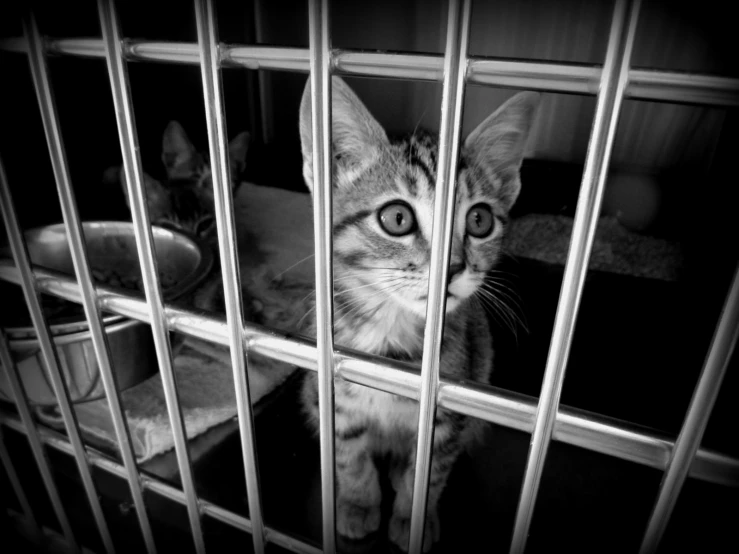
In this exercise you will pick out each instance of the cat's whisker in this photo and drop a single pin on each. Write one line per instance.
(356, 305)
(306, 314)
(500, 304)
(296, 264)
(362, 299)
(503, 284)
(498, 313)
(504, 309)
(519, 315)
(512, 305)
(506, 292)
(372, 284)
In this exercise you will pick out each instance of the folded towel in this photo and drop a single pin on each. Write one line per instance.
(206, 393)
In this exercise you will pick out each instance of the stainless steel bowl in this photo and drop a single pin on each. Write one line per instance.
(132, 358)
(183, 262)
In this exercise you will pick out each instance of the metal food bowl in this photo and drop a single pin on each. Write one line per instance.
(183, 263)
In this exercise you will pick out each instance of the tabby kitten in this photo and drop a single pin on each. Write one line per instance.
(383, 196)
(184, 200)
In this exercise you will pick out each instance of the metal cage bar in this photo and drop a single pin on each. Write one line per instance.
(455, 66)
(320, 95)
(118, 76)
(42, 85)
(610, 97)
(15, 483)
(58, 442)
(687, 443)
(643, 84)
(49, 354)
(32, 433)
(223, 202)
(573, 426)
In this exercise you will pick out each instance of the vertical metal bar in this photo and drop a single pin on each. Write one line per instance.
(263, 77)
(18, 488)
(49, 354)
(220, 168)
(39, 72)
(610, 97)
(118, 75)
(455, 68)
(687, 443)
(34, 441)
(320, 79)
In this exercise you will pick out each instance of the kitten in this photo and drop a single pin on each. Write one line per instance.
(382, 218)
(184, 201)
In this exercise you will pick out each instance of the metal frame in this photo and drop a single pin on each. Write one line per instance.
(542, 417)
(610, 97)
(118, 76)
(223, 200)
(320, 84)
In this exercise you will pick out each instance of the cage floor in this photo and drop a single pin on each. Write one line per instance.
(636, 355)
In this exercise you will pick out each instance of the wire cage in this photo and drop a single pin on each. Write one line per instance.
(545, 419)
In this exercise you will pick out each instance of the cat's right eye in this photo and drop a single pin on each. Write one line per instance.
(397, 219)
(480, 221)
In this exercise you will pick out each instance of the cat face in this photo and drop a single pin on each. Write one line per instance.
(185, 199)
(383, 198)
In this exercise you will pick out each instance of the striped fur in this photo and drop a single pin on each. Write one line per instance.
(380, 289)
(185, 199)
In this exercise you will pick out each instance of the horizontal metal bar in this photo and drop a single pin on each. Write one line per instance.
(557, 77)
(266, 57)
(573, 426)
(49, 539)
(644, 84)
(59, 442)
(398, 65)
(673, 86)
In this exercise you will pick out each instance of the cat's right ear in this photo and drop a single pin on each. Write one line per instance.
(497, 145)
(178, 153)
(356, 136)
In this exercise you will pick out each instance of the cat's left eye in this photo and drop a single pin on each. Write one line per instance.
(480, 221)
(397, 219)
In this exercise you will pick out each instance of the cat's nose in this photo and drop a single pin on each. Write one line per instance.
(455, 269)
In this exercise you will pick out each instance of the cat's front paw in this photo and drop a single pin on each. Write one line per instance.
(356, 521)
(400, 529)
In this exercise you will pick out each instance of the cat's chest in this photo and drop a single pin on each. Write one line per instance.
(386, 332)
(384, 411)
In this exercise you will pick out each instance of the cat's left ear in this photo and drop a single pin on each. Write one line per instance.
(497, 145)
(178, 153)
(237, 149)
(356, 135)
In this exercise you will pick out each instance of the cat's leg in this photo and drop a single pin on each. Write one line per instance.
(447, 446)
(358, 494)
